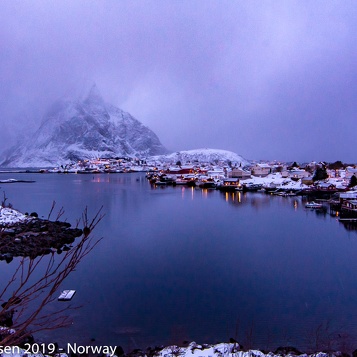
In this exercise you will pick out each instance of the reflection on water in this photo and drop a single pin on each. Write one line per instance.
(258, 200)
(233, 197)
(350, 226)
(199, 264)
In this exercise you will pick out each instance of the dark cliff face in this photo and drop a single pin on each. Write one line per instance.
(82, 129)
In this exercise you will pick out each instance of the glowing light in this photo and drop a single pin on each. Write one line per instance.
(182, 192)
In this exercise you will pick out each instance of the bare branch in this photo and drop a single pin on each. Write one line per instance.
(23, 312)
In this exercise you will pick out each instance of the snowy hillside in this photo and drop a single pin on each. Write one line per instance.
(83, 128)
(203, 155)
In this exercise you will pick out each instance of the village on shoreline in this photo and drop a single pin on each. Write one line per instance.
(335, 182)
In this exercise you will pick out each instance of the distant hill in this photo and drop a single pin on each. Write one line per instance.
(83, 128)
(203, 155)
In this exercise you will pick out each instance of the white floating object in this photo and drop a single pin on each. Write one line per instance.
(313, 205)
(66, 295)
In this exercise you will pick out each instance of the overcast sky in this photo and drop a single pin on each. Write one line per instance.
(265, 79)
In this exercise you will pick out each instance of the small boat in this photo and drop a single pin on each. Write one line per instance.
(271, 187)
(313, 204)
(206, 183)
(251, 187)
(181, 181)
(160, 183)
(66, 295)
(229, 185)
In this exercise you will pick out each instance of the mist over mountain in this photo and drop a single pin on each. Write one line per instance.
(83, 128)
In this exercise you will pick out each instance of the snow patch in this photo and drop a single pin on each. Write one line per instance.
(10, 216)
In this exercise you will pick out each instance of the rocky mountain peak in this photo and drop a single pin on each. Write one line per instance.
(94, 97)
(83, 128)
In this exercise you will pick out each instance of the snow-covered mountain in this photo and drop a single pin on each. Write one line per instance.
(203, 155)
(83, 128)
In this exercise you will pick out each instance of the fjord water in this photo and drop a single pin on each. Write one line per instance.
(179, 263)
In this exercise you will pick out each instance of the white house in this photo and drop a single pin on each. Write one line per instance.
(298, 173)
(261, 170)
(216, 174)
(350, 171)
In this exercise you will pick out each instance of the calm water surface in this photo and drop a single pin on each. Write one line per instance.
(179, 263)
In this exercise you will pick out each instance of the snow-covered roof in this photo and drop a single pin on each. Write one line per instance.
(325, 184)
(264, 166)
(296, 170)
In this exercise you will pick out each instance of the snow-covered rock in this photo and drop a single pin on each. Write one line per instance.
(83, 128)
(228, 350)
(9, 216)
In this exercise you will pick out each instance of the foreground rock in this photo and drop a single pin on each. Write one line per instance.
(36, 237)
(10, 216)
(225, 350)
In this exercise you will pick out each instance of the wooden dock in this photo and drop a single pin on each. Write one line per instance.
(348, 219)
